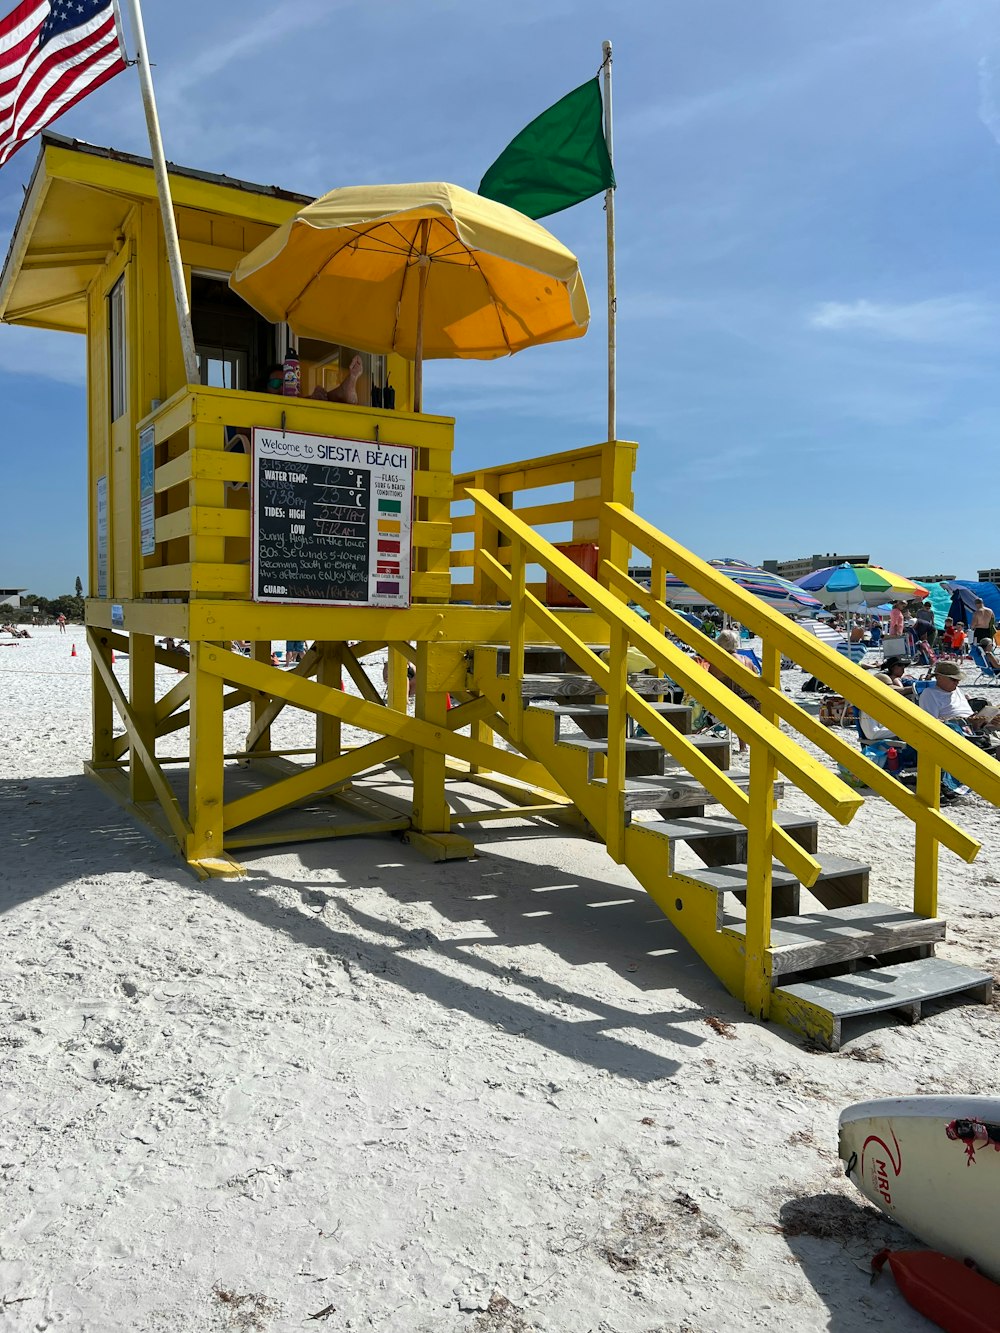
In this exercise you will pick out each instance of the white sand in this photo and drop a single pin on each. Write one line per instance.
(456, 1097)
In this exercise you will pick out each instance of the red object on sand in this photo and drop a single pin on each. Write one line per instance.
(956, 1297)
(112, 657)
(73, 652)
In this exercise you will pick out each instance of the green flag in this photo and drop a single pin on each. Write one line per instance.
(557, 161)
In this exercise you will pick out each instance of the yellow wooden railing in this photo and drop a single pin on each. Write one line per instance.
(583, 479)
(938, 748)
(772, 751)
(202, 525)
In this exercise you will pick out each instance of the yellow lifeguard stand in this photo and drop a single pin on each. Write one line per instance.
(503, 660)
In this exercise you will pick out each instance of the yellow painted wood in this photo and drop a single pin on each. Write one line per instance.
(842, 752)
(328, 729)
(102, 710)
(805, 867)
(198, 578)
(912, 725)
(925, 851)
(308, 784)
(259, 735)
(203, 522)
(178, 824)
(760, 853)
(431, 813)
(821, 785)
(142, 697)
(357, 712)
(205, 779)
(614, 773)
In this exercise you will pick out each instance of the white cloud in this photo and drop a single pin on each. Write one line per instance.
(43, 353)
(943, 319)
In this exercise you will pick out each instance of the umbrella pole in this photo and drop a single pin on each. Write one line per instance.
(423, 264)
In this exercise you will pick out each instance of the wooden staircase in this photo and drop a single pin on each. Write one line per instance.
(833, 957)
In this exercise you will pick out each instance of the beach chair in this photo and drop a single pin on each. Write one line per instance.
(855, 651)
(925, 654)
(752, 658)
(987, 679)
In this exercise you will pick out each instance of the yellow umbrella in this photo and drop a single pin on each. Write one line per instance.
(427, 270)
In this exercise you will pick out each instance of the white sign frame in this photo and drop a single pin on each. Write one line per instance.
(390, 469)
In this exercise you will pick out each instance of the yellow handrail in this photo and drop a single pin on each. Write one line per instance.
(850, 758)
(917, 728)
(612, 677)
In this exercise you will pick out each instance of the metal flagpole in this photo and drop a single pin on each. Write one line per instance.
(609, 209)
(163, 190)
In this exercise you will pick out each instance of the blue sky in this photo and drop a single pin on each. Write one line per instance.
(808, 219)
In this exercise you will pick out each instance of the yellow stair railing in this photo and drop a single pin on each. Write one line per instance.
(772, 751)
(938, 747)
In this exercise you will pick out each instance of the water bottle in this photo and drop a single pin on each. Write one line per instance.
(892, 759)
(291, 374)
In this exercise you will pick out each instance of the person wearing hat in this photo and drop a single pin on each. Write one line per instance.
(945, 700)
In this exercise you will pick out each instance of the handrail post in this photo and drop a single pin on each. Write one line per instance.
(760, 855)
(926, 848)
(770, 674)
(614, 834)
(515, 668)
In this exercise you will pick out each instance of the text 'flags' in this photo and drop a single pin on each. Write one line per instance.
(52, 54)
(557, 161)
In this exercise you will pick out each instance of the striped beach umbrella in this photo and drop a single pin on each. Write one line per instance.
(849, 586)
(779, 593)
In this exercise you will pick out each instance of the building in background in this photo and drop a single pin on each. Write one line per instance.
(932, 578)
(989, 576)
(796, 569)
(11, 596)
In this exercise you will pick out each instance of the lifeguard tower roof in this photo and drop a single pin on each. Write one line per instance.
(73, 215)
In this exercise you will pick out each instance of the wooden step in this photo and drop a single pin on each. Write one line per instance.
(839, 879)
(819, 1008)
(560, 685)
(645, 757)
(733, 879)
(676, 791)
(722, 840)
(862, 930)
(592, 719)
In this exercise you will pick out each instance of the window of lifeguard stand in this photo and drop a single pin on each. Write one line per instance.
(118, 351)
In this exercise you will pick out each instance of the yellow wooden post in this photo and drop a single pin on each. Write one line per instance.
(760, 853)
(770, 662)
(397, 679)
(102, 709)
(926, 848)
(205, 776)
(261, 653)
(517, 628)
(617, 467)
(142, 696)
(614, 835)
(430, 809)
(328, 731)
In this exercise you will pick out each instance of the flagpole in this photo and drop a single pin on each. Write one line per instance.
(609, 210)
(191, 372)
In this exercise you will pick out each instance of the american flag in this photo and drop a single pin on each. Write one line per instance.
(52, 54)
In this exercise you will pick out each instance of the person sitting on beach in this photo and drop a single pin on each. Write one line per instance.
(870, 729)
(729, 640)
(895, 671)
(992, 661)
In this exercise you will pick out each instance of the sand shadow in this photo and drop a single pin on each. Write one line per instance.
(832, 1237)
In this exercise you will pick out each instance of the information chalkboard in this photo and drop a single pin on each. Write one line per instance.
(332, 520)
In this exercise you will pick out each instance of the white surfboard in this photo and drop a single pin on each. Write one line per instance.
(933, 1164)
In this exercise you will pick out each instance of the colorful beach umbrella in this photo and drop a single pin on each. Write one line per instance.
(779, 593)
(848, 587)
